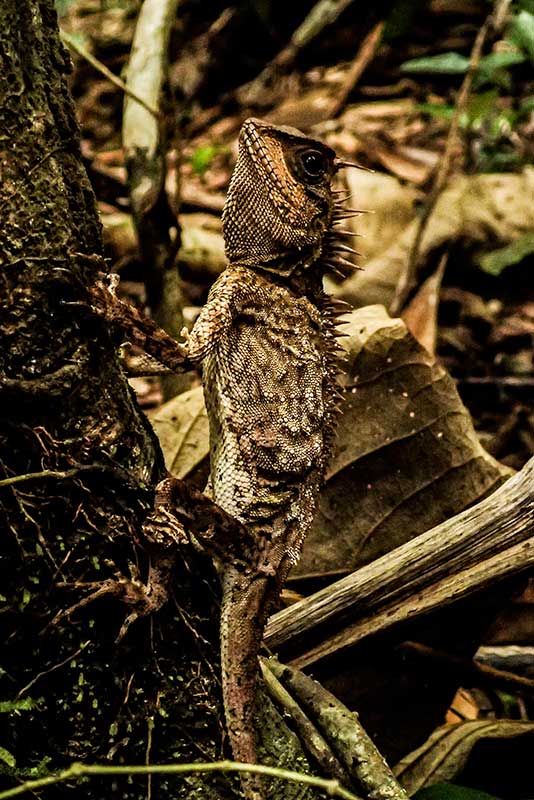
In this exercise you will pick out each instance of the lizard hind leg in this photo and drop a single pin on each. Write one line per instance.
(243, 620)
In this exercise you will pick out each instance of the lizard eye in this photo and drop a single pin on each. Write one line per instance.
(314, 163)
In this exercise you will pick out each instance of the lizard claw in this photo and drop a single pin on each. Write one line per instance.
(184, 333)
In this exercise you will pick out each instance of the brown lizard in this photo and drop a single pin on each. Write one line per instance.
(267, 343)
(270, 360)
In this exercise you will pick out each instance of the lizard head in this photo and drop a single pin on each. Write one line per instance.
(280, 203)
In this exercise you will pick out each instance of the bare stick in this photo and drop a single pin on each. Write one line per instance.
(114, 79)
(408, 280)
(488, 542)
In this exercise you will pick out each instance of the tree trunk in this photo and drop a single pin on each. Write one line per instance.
(78, 467)
(72, 693)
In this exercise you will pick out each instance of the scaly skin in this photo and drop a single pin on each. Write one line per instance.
(266, 340)
(267, 343)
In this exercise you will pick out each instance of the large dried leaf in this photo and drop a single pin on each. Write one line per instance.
(479, 209)
(392, 207)
(183, 433)
(446, 752)
(407, 456)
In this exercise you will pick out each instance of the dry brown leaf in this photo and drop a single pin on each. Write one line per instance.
(479, 208)
(421, 314)
(445, 753)
(202, 245)
(183, 433)
(407, 456)
(399, 164)
(391, 206)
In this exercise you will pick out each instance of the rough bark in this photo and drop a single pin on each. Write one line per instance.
(78, 467)
(65, 405)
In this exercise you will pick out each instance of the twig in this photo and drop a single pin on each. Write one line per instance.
(98, 65)
(75, 771)
(364, 55)
(47, 473)
(314, 741)
(407, 282)
(474, 670)
(526, 381)
(344, 732)
(52, 669)
(323, 14)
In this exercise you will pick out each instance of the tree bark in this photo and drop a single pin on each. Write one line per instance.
(69, 418)
(78, 467)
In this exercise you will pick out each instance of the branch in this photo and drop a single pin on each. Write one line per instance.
(75, 771)
(408, 280)
(73, 43)
(469, 552)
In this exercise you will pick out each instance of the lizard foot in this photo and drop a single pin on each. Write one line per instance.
(142, 598)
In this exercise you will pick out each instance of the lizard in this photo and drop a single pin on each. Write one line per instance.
(267, 344)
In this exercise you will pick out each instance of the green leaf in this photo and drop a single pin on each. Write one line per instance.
(522, 32)
(525, 108)
(443, 64)
(493, 67)
(7, 758)
(495, 262)
(27, 704)
(438, 110)
(451, 791)
(202, 158)
(481, 106)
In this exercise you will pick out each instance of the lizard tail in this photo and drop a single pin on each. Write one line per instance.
(243, 620)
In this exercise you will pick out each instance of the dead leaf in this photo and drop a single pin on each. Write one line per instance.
(421, 314)
(446, 752)
(398, 163)
(407, 456)
(479, 209)
(392, 208)
(182, 429)
(202, 246)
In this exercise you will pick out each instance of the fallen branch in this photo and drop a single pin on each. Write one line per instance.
(469, 552)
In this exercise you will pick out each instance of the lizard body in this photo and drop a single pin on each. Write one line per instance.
(267, 344)
(266, 339)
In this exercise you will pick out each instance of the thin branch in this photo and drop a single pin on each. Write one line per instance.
(407, 281)
(47, 473)
(52, 669)
(364, 56)
(75, 771)
(474, 670)
(98, 65)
